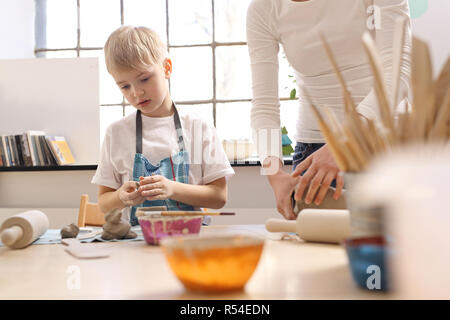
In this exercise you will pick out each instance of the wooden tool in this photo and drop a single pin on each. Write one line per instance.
(22, 229)
(80, 251)
(315, 225)
(185, 213)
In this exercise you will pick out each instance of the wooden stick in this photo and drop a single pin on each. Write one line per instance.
(352, 151)
(184, 213)
(345, 148)
(333, 144)
(423, 88)
(195, 213)
(377, 68)
(397, 55)
(442, 84)
(439, 131)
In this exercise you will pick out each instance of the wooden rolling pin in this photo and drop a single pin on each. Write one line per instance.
(20, 230)
(315, 225)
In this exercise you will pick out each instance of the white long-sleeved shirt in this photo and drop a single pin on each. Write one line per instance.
(296, 26)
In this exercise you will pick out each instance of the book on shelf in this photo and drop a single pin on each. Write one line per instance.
(48, 157)
(61, 151)
(32, 145)
(12, 146)
(6, 150)
(26, 153)
(34, 148)
(18, 150)
(2, 157)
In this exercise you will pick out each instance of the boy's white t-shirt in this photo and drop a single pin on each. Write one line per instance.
(207, 159)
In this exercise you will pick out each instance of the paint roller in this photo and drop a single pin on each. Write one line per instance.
(20, 230)
(316, 225)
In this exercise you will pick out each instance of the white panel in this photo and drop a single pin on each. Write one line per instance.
(59, 96)
(434, 27)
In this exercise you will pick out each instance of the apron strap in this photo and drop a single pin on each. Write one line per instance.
(178, 128)
(138, 132)
(176, 119)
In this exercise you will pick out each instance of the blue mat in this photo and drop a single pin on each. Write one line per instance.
(54, 236)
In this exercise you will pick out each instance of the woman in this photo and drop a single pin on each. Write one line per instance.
(296, 25)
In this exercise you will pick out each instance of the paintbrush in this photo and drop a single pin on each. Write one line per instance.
(185, 213)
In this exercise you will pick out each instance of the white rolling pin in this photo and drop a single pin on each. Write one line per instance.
(20, 230)
(315, 225)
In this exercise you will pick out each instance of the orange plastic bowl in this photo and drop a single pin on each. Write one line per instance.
(213, 263)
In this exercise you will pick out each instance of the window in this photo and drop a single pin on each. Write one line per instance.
(206, 42)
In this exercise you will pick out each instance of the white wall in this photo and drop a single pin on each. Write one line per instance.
(16, 29)
(54, 192)
(434, 27)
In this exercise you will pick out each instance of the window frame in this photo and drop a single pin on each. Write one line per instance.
(40, 50)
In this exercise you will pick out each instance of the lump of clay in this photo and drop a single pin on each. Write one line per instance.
(115, 227)
(327, 203)
(70, 231)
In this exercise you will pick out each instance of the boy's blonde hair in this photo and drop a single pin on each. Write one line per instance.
(133, 47)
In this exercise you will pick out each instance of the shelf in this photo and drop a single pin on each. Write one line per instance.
(251, 162)
(254, 162)
(51, 168)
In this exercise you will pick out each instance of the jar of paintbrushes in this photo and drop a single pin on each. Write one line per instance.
(356, 142)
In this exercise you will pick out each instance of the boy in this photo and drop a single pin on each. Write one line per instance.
(145, 158)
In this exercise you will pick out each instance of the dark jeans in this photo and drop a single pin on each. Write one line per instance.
(303, 151)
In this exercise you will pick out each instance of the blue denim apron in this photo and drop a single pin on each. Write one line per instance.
(175, 167)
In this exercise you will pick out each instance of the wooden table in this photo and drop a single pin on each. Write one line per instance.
(288, 269)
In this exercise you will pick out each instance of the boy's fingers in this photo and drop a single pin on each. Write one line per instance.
(151, 193)
(157, 197)
(149, 179)
(150, 186)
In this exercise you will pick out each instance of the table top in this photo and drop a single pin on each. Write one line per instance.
(288, 269)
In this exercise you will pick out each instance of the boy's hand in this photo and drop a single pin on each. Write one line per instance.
(129, 194)
(156, 187)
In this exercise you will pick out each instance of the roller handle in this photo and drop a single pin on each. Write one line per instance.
(10, 235)
(278, 225)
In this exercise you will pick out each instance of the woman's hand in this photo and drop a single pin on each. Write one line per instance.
(156, 187)
(129, 194)
(283, 184)
(321, 171)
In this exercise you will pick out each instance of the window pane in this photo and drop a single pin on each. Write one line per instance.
(192, 73)
(151, 14)
(108, 115)
(61, 24)
(98, 19)
(233, 73)
(203, 111)
(129, 109)
(230, 20)
(109, 91)
(233, 120)
(190, 22)
(60, 54)
(288, 117)
(286, 77)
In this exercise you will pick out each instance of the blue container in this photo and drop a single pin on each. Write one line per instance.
(367, 258)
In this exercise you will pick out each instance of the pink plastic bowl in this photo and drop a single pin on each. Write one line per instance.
(155, 226)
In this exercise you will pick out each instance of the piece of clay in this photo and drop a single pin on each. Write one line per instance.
(328, 202)
(115, 227)
(70, 231)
